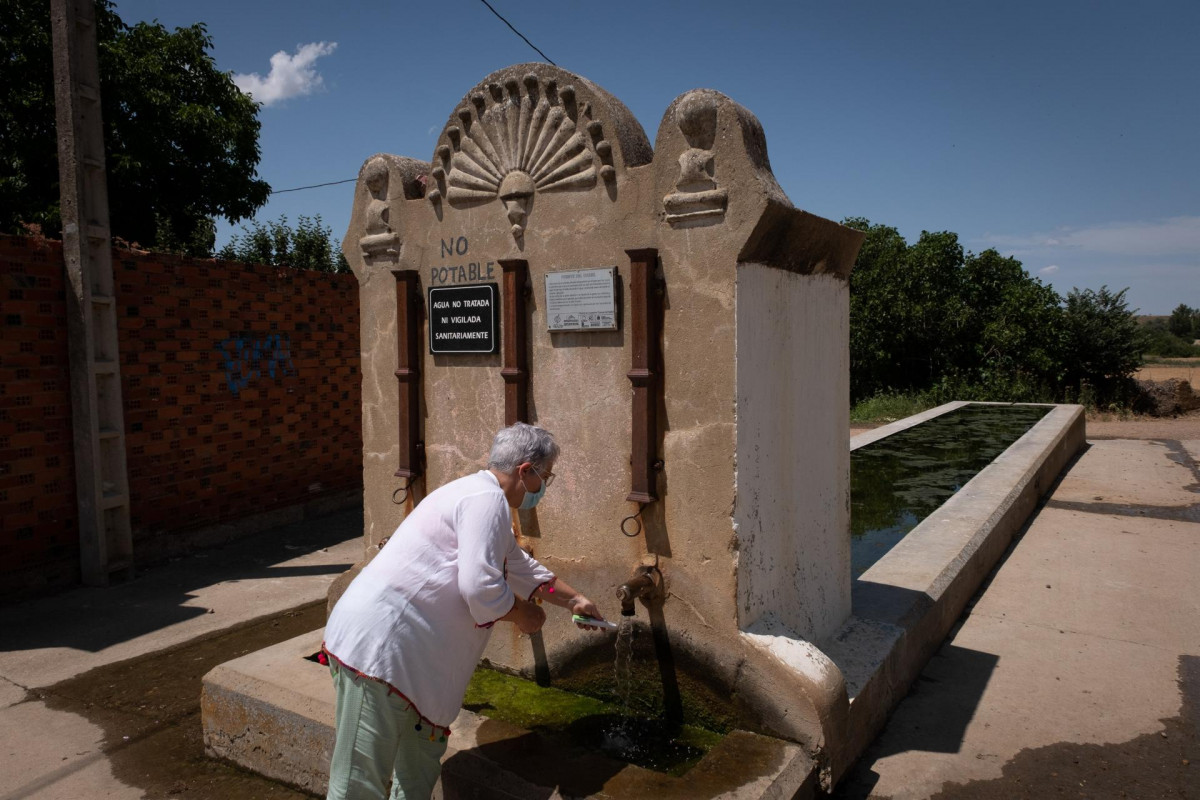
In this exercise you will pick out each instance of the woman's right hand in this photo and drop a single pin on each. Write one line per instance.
(529, 616)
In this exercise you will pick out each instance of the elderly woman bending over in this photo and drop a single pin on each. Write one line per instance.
(405, 637)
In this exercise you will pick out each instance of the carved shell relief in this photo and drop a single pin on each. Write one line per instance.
(512, 144)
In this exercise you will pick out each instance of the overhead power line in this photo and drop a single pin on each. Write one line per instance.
(314, 186)
(351, 180)
(517, 32)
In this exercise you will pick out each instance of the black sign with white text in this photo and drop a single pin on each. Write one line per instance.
(464, 319)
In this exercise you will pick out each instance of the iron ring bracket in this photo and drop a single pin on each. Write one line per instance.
(636, 518)
(403, 489)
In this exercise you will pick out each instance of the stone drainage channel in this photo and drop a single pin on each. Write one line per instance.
(271, 710)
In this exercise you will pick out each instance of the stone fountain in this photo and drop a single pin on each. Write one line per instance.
(682, 328)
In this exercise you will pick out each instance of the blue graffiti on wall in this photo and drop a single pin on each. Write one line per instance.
(247, 359)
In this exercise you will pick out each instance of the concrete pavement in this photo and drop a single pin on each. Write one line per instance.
(1078, 669)
(46, 752)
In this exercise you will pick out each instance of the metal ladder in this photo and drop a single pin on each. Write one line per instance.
(102, 487)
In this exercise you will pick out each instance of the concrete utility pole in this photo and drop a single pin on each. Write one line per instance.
(102, 488)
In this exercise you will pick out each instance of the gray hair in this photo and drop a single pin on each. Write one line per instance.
(519, 443)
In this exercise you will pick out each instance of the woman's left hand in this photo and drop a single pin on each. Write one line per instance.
(585, 608)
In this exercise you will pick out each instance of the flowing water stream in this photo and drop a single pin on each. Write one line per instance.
(619, 738)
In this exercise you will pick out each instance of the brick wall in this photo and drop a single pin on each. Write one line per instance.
(38, 537)
(241, 390)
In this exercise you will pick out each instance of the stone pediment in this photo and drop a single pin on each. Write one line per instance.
(534, 153)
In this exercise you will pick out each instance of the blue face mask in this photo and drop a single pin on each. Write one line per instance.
(533, 498)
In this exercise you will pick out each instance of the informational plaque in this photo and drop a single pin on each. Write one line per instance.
(582, 300)
(463, 319)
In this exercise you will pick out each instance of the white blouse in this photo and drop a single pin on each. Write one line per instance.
(419, 615)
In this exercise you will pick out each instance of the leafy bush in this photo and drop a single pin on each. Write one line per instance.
(307, 246)
(1157, 340)
(889, 407)
(1100, 347)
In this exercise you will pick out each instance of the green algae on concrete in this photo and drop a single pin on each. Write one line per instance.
(527, 705)
(589, 723)
(674, 683)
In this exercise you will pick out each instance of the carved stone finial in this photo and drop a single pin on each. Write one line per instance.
(696, 116)
(380, 244)
(696, 198)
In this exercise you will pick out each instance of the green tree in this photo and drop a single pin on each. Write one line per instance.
(876, 310)
(1014, 333)
(1101, 345)
(1157, 339)
(1182, 322)
(927, 319)
(937, 314)
(181, 141)
(307, 246)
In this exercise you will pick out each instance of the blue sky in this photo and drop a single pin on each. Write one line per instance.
(1064, 133)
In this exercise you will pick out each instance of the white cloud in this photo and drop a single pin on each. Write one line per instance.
(1158, 260)
(1173, 236)
(290, 75)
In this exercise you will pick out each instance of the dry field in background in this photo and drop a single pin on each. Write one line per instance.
(1187, 369)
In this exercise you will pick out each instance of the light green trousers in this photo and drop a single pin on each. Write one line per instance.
(377, 741)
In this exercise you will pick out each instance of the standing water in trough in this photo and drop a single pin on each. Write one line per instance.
(640, 732)
(614, 707)
(898, 481)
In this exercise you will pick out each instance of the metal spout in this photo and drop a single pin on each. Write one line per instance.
(646, 583)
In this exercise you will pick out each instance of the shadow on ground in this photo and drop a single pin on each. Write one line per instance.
(149, 710)
(962, 675)
(1162, 764)
(94, 618)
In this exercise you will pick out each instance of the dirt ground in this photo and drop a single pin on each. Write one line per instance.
(1107, 426)
(1187, 369)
